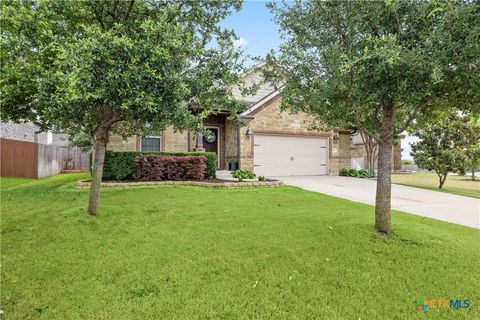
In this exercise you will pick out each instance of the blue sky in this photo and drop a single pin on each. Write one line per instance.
(259, 34)
(255, 27)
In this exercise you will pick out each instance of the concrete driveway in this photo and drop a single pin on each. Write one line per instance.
(421, 202)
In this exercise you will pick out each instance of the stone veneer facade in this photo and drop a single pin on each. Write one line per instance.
(358, 151)
(269, 119)
(235, 144)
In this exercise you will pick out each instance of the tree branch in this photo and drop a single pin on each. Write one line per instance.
(362, 127)
(112, 121)
(409, 120)
(98, 16)
(115, 5)
(130, 7)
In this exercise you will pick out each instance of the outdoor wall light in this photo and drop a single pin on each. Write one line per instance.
(248, 132)
(335, 138)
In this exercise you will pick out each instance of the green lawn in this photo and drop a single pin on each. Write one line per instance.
(13, 182)
(175, 252)
(463, 186)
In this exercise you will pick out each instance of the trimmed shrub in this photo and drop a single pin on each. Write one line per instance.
(154, 167)
(243, 174)
(119, 165)
(362, 173)
(351, 172)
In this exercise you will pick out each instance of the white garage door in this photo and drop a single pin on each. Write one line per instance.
(289, 155)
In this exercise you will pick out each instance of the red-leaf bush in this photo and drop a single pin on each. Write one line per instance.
(157, 167)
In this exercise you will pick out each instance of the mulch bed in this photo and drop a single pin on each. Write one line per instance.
(209, 183)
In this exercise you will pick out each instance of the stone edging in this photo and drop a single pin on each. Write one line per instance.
(226, 185)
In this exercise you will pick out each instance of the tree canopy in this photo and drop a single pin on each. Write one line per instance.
(123, 67)
(379, 65)
(447, 144)
(68, 64)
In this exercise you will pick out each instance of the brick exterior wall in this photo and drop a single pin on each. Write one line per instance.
(28, 132)
(171, 141)
(174, 141)
(246, 149)
(358, 151)
(116, 143)
(231, 149)
(267, 120)
(397, 155)
(234, 143)
(270, 120)
(340, 156)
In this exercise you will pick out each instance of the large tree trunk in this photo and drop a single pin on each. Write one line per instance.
(473, 172)
(384, 188)
(384, 180)
(99, 146)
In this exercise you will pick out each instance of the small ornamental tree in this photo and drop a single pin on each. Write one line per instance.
(473, 158)
(116, 67)
(473, 148)
(445, 145)
(381, 63)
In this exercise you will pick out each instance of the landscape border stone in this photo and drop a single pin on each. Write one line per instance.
(225, 185)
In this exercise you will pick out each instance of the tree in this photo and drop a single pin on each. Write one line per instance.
(444, 145)
(473, 158)
(473, 150)
(382, 63)
(122, 67)
(80, 140)
(370, 150)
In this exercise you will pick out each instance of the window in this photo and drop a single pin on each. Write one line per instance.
(150, 144)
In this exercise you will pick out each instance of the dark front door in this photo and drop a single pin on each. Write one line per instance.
(210, 141)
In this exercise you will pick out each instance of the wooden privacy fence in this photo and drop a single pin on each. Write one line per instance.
(35, 161)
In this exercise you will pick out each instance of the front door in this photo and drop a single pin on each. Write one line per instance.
(211, 141)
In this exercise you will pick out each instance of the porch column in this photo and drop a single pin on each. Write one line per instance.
(199, 146)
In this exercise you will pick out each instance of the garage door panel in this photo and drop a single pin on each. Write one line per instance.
(290, 155)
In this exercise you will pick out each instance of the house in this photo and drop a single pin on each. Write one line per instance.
(30, 132)
(266, 140)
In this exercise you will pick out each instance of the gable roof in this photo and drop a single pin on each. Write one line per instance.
(266, 91)
(260, 103)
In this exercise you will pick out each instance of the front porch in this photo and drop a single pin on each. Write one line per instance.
(225, 140)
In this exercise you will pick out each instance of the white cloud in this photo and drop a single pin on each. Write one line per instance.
(240, 42)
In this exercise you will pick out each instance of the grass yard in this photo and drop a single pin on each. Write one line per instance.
(176, 252)
(12, 182)
(463, 186)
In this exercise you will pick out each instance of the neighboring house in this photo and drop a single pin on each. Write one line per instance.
(30, 132)
(265, 140)
(359, 158)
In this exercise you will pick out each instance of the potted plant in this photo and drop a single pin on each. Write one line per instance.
(232, 165)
